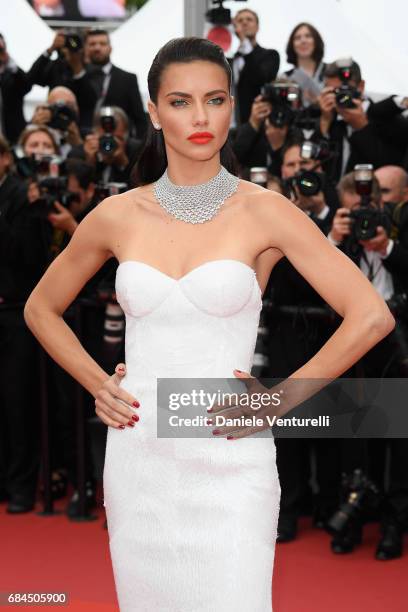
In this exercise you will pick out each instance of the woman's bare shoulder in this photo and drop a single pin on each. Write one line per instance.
(115, 206)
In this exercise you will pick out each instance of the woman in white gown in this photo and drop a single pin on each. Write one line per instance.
(192, 522)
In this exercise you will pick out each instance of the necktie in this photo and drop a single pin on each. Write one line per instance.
(97, 80)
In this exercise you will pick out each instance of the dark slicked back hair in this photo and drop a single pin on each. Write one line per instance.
(318, 51)
(152, 161)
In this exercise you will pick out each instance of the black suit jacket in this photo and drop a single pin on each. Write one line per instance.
(287, 287)
(123, 91)
(14, 86)
(261, 66)
(393, 128)
(367, 146)
(15, 284)
(49, 73)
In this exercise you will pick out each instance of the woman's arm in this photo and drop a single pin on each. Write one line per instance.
(366, 317)
(86, 252)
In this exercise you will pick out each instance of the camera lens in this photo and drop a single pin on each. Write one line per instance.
(107, 144)
(309, 183)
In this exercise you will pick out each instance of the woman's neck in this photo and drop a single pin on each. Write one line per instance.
(191, 172)
(308, 65)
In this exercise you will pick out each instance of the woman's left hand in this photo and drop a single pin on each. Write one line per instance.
(256, 403)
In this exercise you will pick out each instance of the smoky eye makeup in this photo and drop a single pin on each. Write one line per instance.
(217, 101)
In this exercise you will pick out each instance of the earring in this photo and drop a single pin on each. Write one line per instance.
(157, 126)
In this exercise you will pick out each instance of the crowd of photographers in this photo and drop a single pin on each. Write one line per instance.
(310, 133)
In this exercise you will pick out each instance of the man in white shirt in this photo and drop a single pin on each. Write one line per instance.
(375, 250)
(252, 65)
(345, 121)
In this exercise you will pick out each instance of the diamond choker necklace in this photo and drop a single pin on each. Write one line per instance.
(195, 203)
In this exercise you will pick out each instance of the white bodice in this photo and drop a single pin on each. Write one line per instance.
(201, 325)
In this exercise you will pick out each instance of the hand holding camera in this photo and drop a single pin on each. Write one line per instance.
(259, 111)
(69, 46)
(379, 243)
(58, 43)
(42, 115)
(356, 117)
(327, 103)
(62, 219)
(341, 225)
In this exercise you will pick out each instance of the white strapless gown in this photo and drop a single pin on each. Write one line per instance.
(192, 521)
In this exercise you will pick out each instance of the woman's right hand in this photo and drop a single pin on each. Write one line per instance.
(108, 402)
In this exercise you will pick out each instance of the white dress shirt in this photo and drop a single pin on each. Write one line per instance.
(245, 48)
(372, 267)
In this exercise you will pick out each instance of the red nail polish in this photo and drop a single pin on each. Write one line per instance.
(230, 437)
(216, 431)
(240, 371)
(136, 404)
(131, 424)
(209, 421)
(121, 427)
(135, 417)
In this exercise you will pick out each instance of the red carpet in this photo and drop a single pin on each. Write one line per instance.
(53, 555)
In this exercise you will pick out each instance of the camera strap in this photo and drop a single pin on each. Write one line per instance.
(370, 266)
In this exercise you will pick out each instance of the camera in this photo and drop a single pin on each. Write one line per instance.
(107, 142)
(218, 14)
(285, 99)
(345, 94)
(308, 182)
(287, 109)
(52, 189)
(105, 190)
(318, 151)
(359, 494)
(73, 42)
(62, 116)
(36, 166)
(368, 216)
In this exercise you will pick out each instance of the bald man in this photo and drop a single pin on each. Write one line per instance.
(43, 114)
(394, 184)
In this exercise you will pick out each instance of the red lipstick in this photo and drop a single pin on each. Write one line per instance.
(201, 137)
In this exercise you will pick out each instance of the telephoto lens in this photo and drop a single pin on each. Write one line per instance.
(107, 142)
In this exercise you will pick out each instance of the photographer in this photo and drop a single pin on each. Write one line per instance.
(61, 114)
(57, 205)
(305, 183)
(360, 228)
(259, 142)
(95, 83)
(19, 443)
(51, 73)
(14, 85)
(345, 121)
(252, 65)
(109, 149)
(299, 323)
